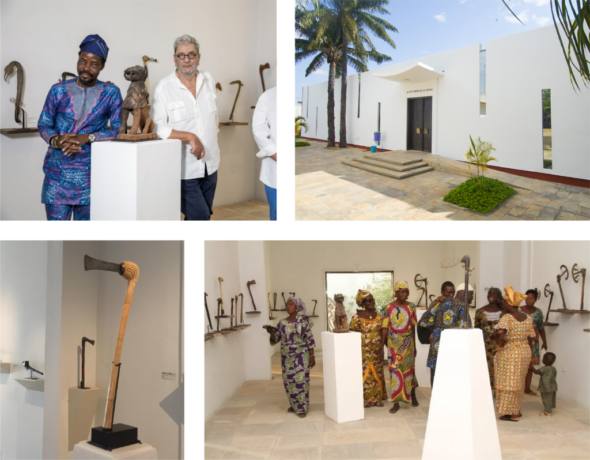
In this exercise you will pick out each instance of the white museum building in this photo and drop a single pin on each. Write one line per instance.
(516, 94)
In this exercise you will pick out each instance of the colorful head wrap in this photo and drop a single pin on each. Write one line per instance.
(96, 45)
(300, 305)
(513, 297)
(400, 285)
(362, 295)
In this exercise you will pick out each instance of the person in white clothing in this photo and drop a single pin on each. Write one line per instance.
(184, 107)
(264, 126)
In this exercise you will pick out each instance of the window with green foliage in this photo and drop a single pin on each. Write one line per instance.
(380, 284)
(547, 147)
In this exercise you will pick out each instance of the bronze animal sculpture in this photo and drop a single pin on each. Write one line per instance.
(260, 69)
(340, 320)
(20, 79)
(237, 82)
(136, 102)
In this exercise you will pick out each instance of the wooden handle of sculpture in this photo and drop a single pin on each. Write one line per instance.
(131, 274)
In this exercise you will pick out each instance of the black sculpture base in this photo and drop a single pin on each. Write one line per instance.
(120, 436)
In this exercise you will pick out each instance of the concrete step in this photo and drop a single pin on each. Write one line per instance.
(396, 160)
(388, 172)
(390, 165)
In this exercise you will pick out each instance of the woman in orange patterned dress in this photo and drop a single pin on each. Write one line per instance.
(513, 334)
(368, 323)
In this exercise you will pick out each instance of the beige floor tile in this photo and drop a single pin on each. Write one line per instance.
(301, 428)
(346, 437)
(331, 425)
(254, 443)
(348, 452)
(262, 417)
(518, 454)
(239, 454)
(565, 453)
(298, 440)
(411, 448)
(297, 453)
(240, 403)
(215, 432)
(535, 442)
(253, 429)
(387, 434)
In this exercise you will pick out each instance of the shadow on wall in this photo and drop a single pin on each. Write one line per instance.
(171, 404)
(35, 398)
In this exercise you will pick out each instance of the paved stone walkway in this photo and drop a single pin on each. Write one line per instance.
(326, 189)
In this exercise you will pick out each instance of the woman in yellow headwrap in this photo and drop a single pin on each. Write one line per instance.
(514, 334)
(399, 329)
(368, 323)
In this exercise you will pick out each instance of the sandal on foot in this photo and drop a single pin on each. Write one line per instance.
(380, 405)
(531, 393)
(507, 418)
(415, 403)
(301, 415)
(290, 409)
(394, 409)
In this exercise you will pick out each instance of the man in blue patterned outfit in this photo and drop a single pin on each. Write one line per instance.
(76, 114)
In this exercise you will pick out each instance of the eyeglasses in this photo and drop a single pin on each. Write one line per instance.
(182, 56)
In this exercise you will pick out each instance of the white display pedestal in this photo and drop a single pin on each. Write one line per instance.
(81, 408)
(84, 451)
(343, 376)
(461, 402)
(135, 180)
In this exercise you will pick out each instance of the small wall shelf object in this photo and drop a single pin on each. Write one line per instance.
(11, 131)
(5, 368)
(32, 384)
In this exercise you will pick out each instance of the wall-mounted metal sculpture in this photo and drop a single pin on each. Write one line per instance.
(220, 310)
(65, 75)
(110, 435)
(269, 307)
(83, 352)
(240, 84)
(284, 301)
(29, 368)
(275, 295)
(548, 293)
(313, 315)
(466, 261)
(145, 60)
(564, 272)
(250, 283)
(576, 272)
(20, 115)
(261, 69)
(422, 285)
(431, 298)
(212, 333)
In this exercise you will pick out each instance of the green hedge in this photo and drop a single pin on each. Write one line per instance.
(480, 198)
(302, 144)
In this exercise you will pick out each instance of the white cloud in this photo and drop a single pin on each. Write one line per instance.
(441, 17)
(541, 20)
(523, 17)
(537, 2)
(320, 72)
(462, 1)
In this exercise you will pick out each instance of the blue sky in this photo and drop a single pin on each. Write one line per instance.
(432, 26)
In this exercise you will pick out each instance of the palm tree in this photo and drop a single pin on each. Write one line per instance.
(327, 47)
(480, 155)
(575, 25)
(299, 124)
(354, 17)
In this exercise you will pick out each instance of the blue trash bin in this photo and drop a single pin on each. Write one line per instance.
(373, 148)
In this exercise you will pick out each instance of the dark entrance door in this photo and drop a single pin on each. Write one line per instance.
(420, 124)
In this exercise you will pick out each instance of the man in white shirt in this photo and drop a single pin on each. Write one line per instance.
(184, 107)
(264, 126)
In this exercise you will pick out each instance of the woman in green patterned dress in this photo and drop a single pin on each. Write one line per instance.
(368, 323)
(537, 316)
(485, 319)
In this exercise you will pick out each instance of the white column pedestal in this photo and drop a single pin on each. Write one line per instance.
(343, 376)
(135, 180)
(461, 420)
(84, 451)
(81, 408)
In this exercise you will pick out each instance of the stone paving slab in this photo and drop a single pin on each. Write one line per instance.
(327, 189)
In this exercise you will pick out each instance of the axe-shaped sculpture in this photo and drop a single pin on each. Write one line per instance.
(548, 293)
(65, 75)
(237, 82)
(422, 285)
(261, 68)
(220, 310)
(29, 368)
(18, 102)
(231, 316)
(313, 315)
(431, 298)
(284, 301)
(466, 261)
(242, 325)
(564, 271)
(275, 301)
(212, 332)
(84, 340)
(250, 283)
(269, 308)
(111, 436)
(576, 276)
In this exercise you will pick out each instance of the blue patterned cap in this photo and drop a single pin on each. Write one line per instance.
(96, 45)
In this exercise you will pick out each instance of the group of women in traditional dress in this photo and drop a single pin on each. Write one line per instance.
(511, 337)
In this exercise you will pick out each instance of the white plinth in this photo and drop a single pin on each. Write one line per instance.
(135, 181)
(84, 451)
(461, 402)
(343, 376)
(81, 408)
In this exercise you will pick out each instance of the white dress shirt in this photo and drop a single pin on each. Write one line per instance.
(264, 126)
(175, 107)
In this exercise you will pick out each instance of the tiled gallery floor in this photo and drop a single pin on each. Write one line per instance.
(254, 424)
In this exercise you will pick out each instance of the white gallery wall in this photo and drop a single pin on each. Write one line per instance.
(232, 359)
(23, 287)
(301, 266)
(235, 37)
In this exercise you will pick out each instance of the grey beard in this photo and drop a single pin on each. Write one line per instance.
(186, 74)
